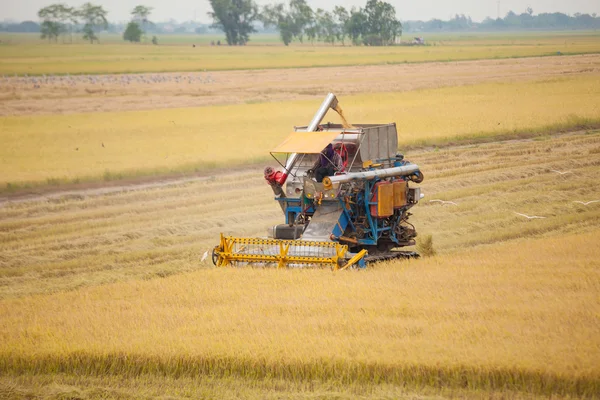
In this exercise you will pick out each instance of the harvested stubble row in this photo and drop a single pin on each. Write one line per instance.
(521, 315)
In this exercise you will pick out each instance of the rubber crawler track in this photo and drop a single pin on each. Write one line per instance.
(392, 255)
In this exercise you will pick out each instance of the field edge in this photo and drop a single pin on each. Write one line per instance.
(10, 190)
(341, 372)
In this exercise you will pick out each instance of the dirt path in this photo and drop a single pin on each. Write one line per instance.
(80, 191)
(100, 93)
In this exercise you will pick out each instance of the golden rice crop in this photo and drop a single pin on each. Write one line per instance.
(108, 287)
(106, 146)
(519, 316)
(96, 237)
(44, 58)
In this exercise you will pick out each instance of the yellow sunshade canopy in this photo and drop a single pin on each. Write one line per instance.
(306, 142)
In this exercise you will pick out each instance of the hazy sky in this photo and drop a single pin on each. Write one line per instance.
(183, 10)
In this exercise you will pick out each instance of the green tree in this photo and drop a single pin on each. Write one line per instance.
(292, 21)
(341, 18)
(133, 32)
(54, 20)
(277, 16)
(382, 25)
(140, 16)
(95, 18)
(50, 30)
(356, 27)
(327, 26)
(312, 31)
(235, 18)
(301, 16)
(67, 17)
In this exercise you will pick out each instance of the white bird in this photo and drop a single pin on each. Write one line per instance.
(443, 202)
(561, 172)
(587, 202)
(204, 256)
(527, 216)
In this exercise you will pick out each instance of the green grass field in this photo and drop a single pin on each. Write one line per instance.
(27, 55)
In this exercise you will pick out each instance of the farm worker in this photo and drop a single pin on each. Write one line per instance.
(273, 178)
(327, 164)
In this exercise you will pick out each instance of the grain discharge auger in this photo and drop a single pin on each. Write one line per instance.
(345, 193)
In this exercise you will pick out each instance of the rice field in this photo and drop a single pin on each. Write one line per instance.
(109, 198)
(23, 55)
(76, 94)
(108, 287)
(57, 149)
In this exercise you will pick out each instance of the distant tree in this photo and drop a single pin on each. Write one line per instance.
(585, 21)
(341, 18)
(140, 16)
(552, 20)
(459, 22)
(133, 32)
(312, 32)
(62, 16)
(57, 19)
(356, 27)
(95, 18)
(434, 25)
(154, 40)
(235, 18)
(52, 25)
(293, 21)
(382, 25)
(73, 17)
(301, 16)
(26, 26)
(511, 19)
(50, 30)
(327, 31)
(277, 16)
(525, 20)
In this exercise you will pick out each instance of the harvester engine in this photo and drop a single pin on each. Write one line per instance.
(345, 194)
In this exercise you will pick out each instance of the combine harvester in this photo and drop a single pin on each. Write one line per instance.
(357, 215)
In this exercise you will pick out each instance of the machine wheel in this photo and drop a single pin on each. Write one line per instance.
(215, 256)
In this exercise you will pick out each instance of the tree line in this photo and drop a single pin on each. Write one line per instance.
(60, 19)
(373, 25)
(511, 21)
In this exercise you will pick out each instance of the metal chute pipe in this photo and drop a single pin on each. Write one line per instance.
(377, 173)
(329, 102)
